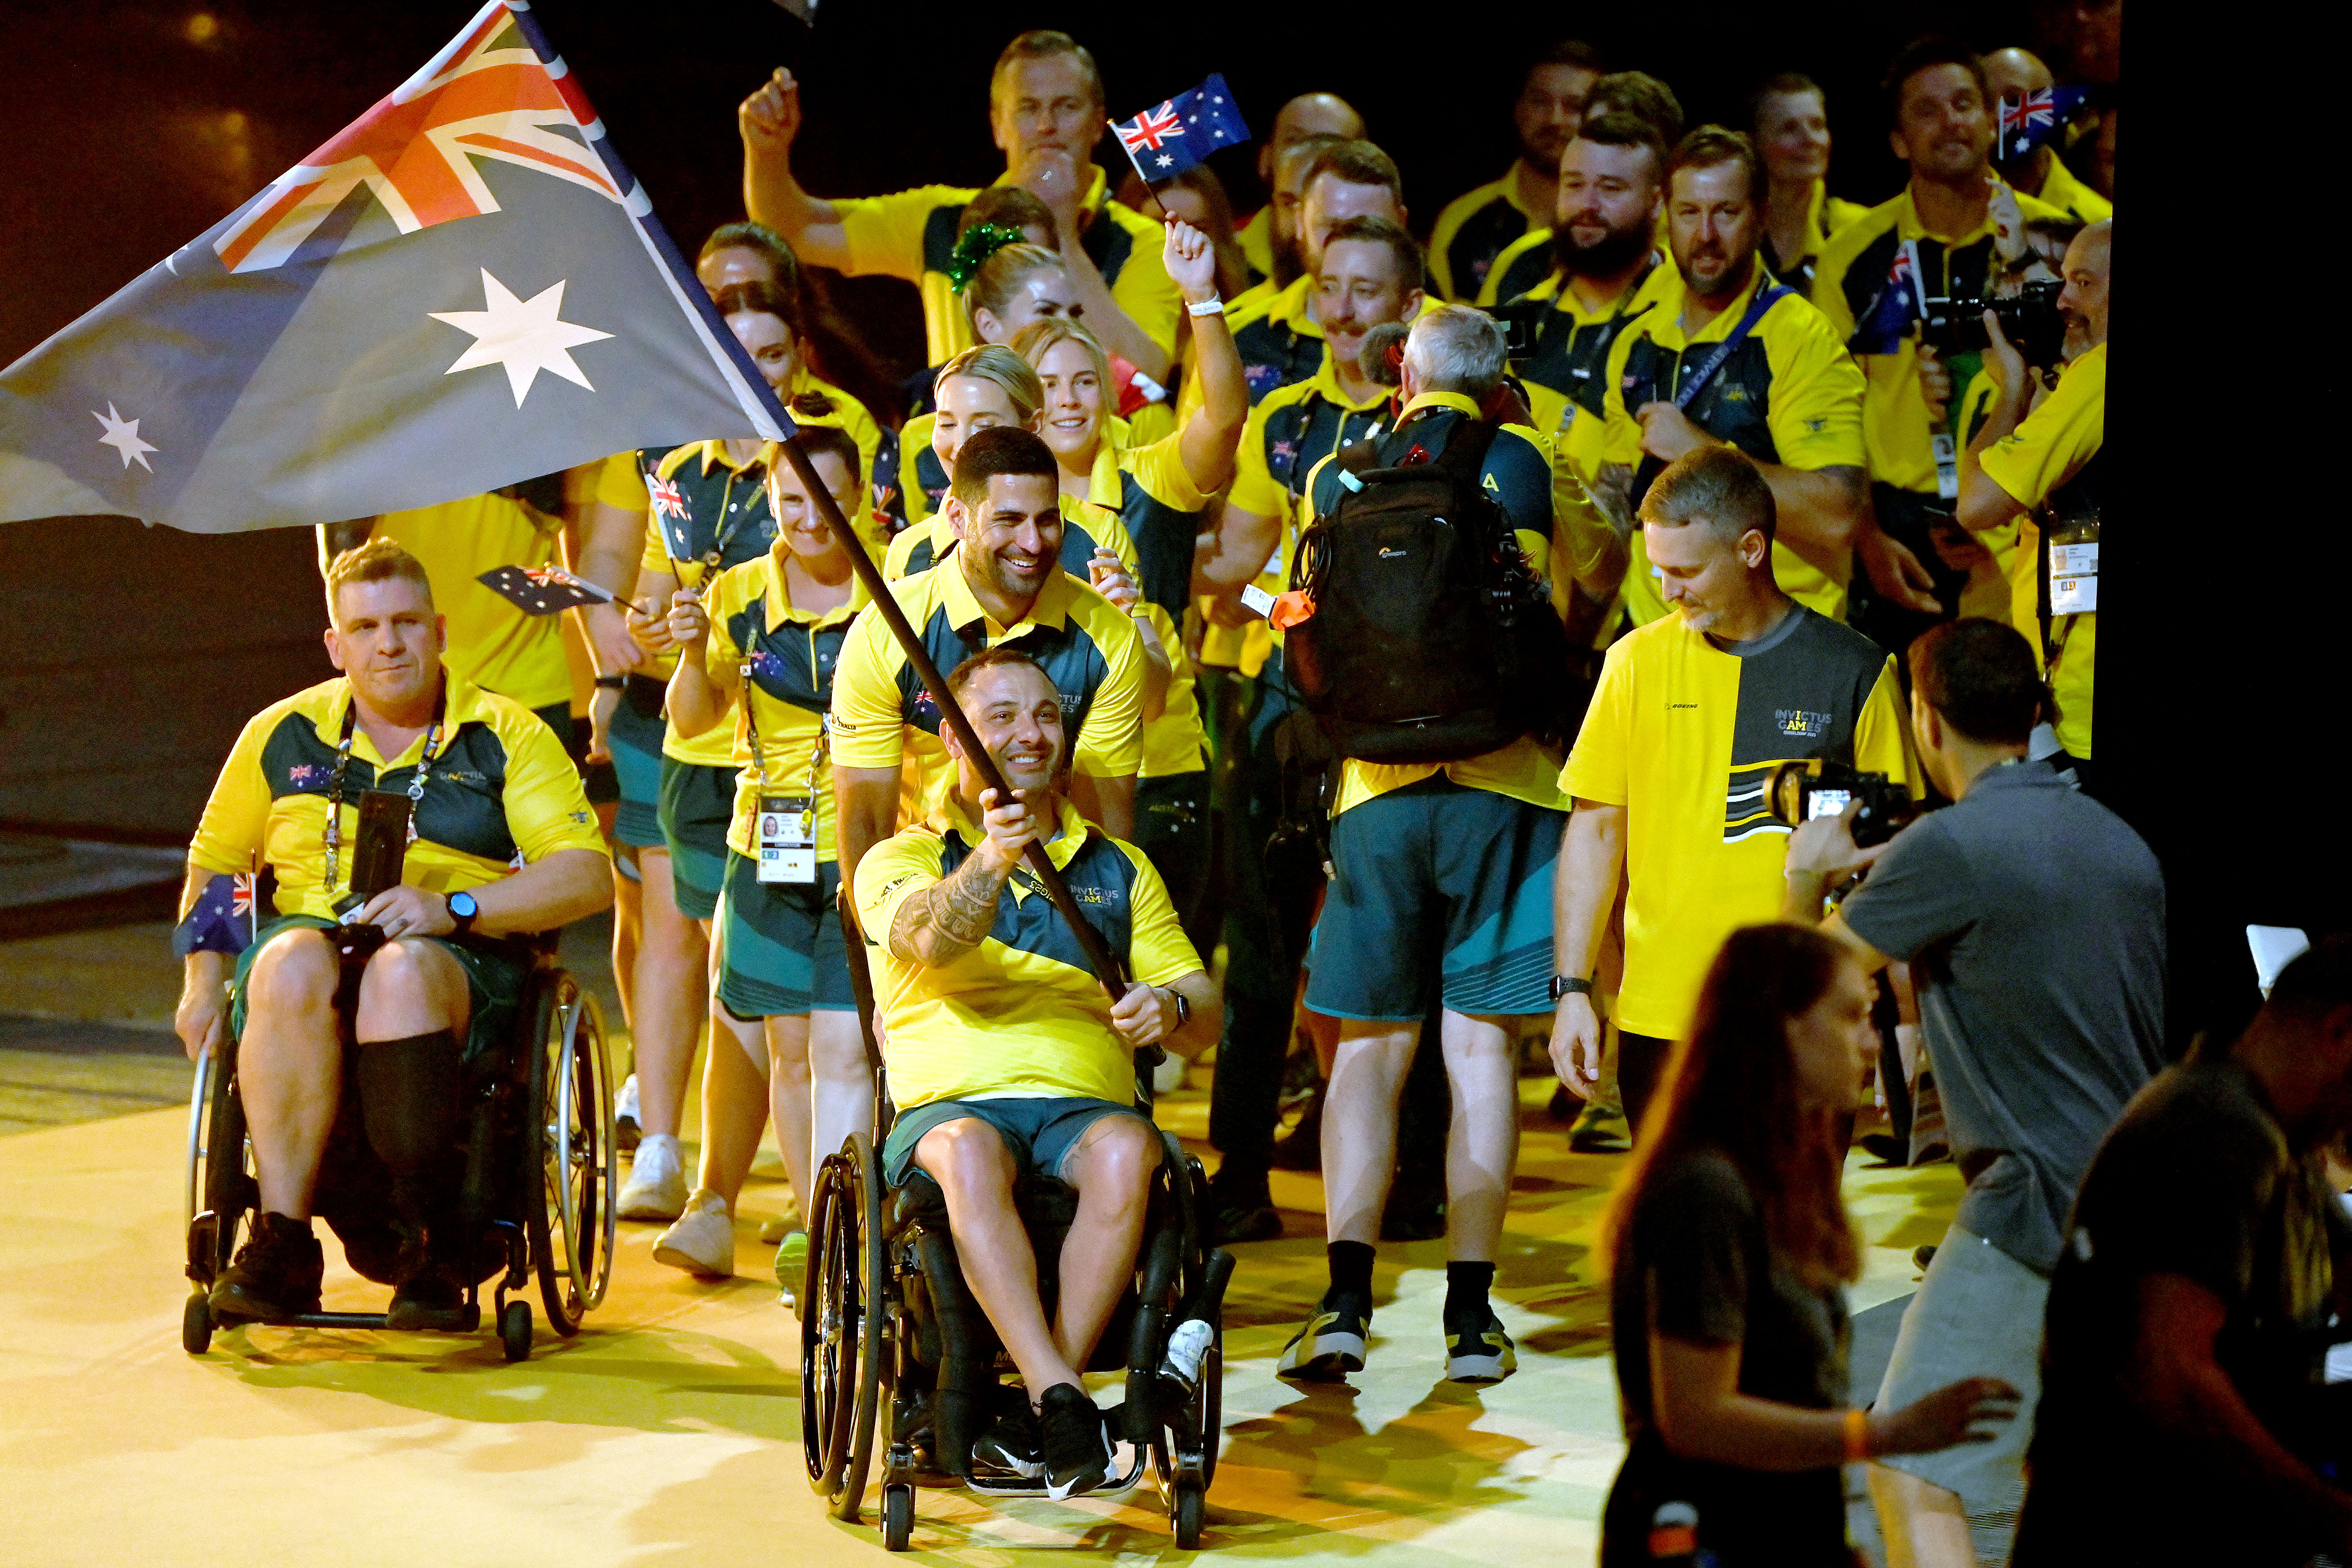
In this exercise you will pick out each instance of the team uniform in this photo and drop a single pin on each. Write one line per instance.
(779, 934)
(635, 738)
(2060, 189)
(1564, 376)
(1444, 870)
(498, 793)
(703, 505)
(1824, 215)
(1017, 1031)
(1257, 239)
(1790, 393)
(1274, 333)
(1684, 734)
(1090, 648)
(2002, 590)
(1856, 265)
(2049, 464)
(1477, 227)
(491, 644)
(912, 234)
(1084, 529)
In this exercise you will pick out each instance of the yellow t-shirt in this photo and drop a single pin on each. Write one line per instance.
(500, 794)
(1789, 394)
(882, 717)
(2062, 190)
(1684, 735)
(492, 643)
(2050, 447)
(792, 653)
(1020, 1015)
(1852, 269)
(911, 235)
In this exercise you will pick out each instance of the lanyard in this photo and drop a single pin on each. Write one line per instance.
(334, 837)
(759, 757)
(715, 557)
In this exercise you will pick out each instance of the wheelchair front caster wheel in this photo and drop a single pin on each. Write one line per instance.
(1186, 1514)
(514, 1330)
(196, 1325)
(898, 1517)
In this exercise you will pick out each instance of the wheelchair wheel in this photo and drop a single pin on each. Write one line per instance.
(898, 1517)
(843, 1313)
(570, 1162)
(1187, 1513)
(514, 1331)
(196, 1325)
(222, 1193)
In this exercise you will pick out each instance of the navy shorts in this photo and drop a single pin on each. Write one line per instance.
(1440, 887)
(1041, 1133)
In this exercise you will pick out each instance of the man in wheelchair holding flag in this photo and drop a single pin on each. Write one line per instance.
(1004, 1056)
(501, 842)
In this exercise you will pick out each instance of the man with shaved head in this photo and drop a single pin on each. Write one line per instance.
(1477, 225)
(1309, 115)
(2009, 76)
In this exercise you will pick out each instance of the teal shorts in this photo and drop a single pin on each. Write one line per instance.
(496, 974)
(1440, 888)
(781, 945)
(636, 742)
(697, 805)
(1040, 1133)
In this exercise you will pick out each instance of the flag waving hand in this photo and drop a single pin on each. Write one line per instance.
(463, 289)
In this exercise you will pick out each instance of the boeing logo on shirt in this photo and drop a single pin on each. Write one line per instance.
(1801, 722)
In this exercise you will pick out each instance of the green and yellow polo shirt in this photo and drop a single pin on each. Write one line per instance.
(492, 643)
(883, 718)
(1789, 394)
(1684, 734)
(1824, 215)
(1021, 1015)
(1473, 231)
(1517, 473)
(1565, 376)
(500, 794)
(2050, 463)
(1275, 333)
(1256, 240)
(923, 478)
(1150, 495)
(911, 235)
(1852, 269)
(700, 502)
(792, 653)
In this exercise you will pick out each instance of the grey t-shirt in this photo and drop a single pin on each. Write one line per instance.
(2034, 922)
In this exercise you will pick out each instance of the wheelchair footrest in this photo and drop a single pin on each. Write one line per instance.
(1138, 1466)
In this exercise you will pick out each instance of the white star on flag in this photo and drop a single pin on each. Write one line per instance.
(122, 435)
(1165, 160)
(522, 336)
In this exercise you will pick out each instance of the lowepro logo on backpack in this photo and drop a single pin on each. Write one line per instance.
(1430, 638)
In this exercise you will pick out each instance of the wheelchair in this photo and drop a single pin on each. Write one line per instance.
(539, 1190)
(888, 1328)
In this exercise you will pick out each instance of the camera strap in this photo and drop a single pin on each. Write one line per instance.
(334, 837)
(1767, 295)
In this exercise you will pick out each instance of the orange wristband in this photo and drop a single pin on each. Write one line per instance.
(1857, 1436)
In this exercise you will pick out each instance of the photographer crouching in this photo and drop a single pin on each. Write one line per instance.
(2033, 918)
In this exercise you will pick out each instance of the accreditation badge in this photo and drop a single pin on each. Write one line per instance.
(785, 838)
(2074, 578)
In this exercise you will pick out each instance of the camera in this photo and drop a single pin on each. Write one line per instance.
(1521, 320)
(1798, 792)
(2028, 319)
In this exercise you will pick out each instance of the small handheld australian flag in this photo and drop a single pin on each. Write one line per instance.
(1181, 133)
(542, 590)
(1882, 328)
(2027, 122)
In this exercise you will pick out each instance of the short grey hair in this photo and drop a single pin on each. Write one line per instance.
(1453, 348)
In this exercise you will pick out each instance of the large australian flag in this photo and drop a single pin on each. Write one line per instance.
(463, 289)
(1179, 134)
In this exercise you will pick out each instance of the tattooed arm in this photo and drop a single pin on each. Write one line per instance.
(1612, 491)
(952, 916)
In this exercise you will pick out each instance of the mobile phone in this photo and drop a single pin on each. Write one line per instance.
(380, 857)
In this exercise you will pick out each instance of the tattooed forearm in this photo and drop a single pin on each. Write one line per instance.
(949, 918)
(1611, 490)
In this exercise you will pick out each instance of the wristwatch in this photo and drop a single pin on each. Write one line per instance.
(462, 910)
(1183, 1008)
(1570, 984)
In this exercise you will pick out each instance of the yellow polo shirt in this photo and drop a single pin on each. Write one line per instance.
(1473, 231)
(1020, 1015)
(492, 643)
(500, 794)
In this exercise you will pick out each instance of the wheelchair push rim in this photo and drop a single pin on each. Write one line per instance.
(572, 1159)
(843, 1310)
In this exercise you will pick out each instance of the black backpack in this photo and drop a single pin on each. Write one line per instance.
(1430, 640)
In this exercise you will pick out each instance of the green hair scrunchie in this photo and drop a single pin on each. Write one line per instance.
(973, 247)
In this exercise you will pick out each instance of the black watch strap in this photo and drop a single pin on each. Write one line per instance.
(1183, 1008)
(464, 922)
(613, 682)
(1570, 984)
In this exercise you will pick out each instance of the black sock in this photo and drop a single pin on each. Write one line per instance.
(1466, 1285)
(1351, 1278)
(411, 1102)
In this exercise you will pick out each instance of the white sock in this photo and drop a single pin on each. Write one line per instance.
(656, 1156)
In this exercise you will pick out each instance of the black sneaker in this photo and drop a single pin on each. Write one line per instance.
(1007, 1451)
(1326, 1349)
(428, 1295)
(1302, 1149)
(1241, 1208)
(1076, 1444)
(1598, 1132)
(1482, 1355)
(274, 1275)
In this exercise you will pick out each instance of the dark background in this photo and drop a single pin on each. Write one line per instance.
(129, 657)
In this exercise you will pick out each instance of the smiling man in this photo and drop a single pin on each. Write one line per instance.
(503, 844)
(1003, 586)
(1668, 775)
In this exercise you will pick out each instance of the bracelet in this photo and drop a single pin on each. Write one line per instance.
(612, 683)
(1857, 1436)
(1212, 306)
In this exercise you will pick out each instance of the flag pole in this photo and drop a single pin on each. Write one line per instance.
(1107, 969)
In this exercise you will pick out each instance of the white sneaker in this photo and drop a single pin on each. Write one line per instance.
(1168, 1076)
(703, 1240)
(657, 1185)
(624, 1114)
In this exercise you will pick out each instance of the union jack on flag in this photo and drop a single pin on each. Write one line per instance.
(2025, 123)
(240, 895)
(667, 499)
(1164, 143)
